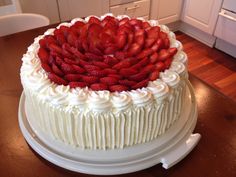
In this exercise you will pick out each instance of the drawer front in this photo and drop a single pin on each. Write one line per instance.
(134, 9)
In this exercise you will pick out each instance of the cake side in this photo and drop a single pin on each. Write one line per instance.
(103, 119)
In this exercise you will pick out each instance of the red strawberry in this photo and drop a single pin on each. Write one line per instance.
(109, 80)
(77, 84)
(110, 60)
(59, 61)
(72, 77)
(73, 50)
(90, 67)
(71, 61)
(144, 53)
(43, 55)
(66, 53)
(115, 76)
(46, 67)
(149, 68)
(138, 77)
(122, 64)
(153, 58)
(172, 51)
(67, 69)
(90, 79)
(154, 75)
(98, 73)
(94, 20)
(43, 43)
(134, 49)
(135, 22)
(101, 64)
(163, 55)
(120, 55)
(60, 38)
(141, 63)
(127, 82)
(140, 84)
(128, 71)
(157, 45)
(140, 40)
(153, 32)
(168, 62)
(140, 32)
(64, 29)
(92, 56)
(166, 43)
(110, 71)
(146, 25)
(111, 49)
(83, 63)
(149, 42)
(78, 24)
(121, 40)
(160, 66)
(98, 86)
(78, 69)
(123, 21)
(54, 78)
(55, 48)
(118, 88)
(71, 39)
(57, 70)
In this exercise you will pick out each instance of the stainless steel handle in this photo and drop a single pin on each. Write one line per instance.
(132, 8)
(225, 14)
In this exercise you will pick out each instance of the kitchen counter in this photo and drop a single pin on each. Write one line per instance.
(214, 156)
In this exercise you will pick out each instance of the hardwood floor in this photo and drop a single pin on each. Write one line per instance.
(210, 65)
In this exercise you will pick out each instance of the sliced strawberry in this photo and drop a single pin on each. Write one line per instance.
(77, 84)
(94, 20)
(100, 64)
(78, 69)
(141, 64)
(135, 22)
(172, 51)
(97, 73)
(64, 29)
(128, 71)
(110, 60)
(93, 57)
(118, 76)
(110, 71)
(98, 86)
(58, 80)
(134, 49)
(167, 62)
(73, 50)
(130, 39)
(127, 82)
(60, 38)
(105, 39)
(153, 58)
(43, 43)
(72, 77)
(157, 45)
(67, 69)
(132, 60)
(43, 55)
(138, 77)
(146, 25)
(140, 40)
(90, 67)
(109, 80)
(123, 21)
(111, 49)
(163, 55)
(149, 42)
(154, 75)
(166, 43)
(46, 67)
(50, 40)
(67, 54)
(90, 79)
(140, 84)
(160, 66)
(149, 68)
(78, 24)
(83, 63)
(71, 61)
(153, 32)
(120, 55)
(121, 64)
(140, 32)
(118, 88)
(55, 48)
(94, 30)
(51, 60)
(57, 70)
(121, 40)
(144, 53)
(71, 39)
(59, 61)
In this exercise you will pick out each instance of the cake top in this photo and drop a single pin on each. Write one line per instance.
(108, 53)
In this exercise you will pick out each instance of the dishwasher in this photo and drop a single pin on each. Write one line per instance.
(225, 30)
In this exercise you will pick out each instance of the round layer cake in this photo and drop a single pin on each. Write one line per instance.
(105, 83)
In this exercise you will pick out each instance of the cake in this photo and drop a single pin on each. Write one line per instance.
(105, 82)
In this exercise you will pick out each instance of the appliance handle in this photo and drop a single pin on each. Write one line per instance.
(223, 13)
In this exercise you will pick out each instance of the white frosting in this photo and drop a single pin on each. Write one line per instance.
(99, 117)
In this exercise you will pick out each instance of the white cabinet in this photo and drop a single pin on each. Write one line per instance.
(131, 8)
(166, 11)
(70, 9)
(202, 14)
(47, 8)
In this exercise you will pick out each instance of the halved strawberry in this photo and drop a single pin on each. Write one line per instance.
(57, 70)
(58, 80)
(73, 50)
(123, 21)
(121, 64)
(78, 24)
(91, 67)
(120, 55)
(149, 42)
(160, 66)
(172, 51)
(110, 71)
(138, 77)
(110, 49)
(65, 30)
(93, 57)
(59, 61)
(90, 79)
(128, 71)
(153, 32)
(100, 64)
(98, 86)
(140, 40)
(135, 22)
(140, 84)
(43, 55)
(157, 45)
(118, 88)
(109, 80)
(46, 67)
(144, 53)
(94, 20)
(78, 69)
(98, 73)
(143, 62)
(146, 25)
(121, 40)
(77, 84)
(110, 60)
(67, 69)
(60, 38)
(117, 76)
(163, 55)
(153, 58)
(149, 68)
(72, 77)
(168, 62)
(71, 61)
(154, 75)
(134, 49)
(127, 82)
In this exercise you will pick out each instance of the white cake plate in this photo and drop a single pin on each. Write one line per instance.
(168, 149)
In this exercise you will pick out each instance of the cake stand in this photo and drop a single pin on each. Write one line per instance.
(167, 149)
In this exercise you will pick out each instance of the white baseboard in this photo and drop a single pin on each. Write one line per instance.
(197, 34)
(226, 47)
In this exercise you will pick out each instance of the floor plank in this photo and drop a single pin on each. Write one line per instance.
(210, 65)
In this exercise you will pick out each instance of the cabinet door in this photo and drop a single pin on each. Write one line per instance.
(168, 11)
(202, 14)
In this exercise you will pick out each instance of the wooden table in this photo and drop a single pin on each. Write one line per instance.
(214, 156)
